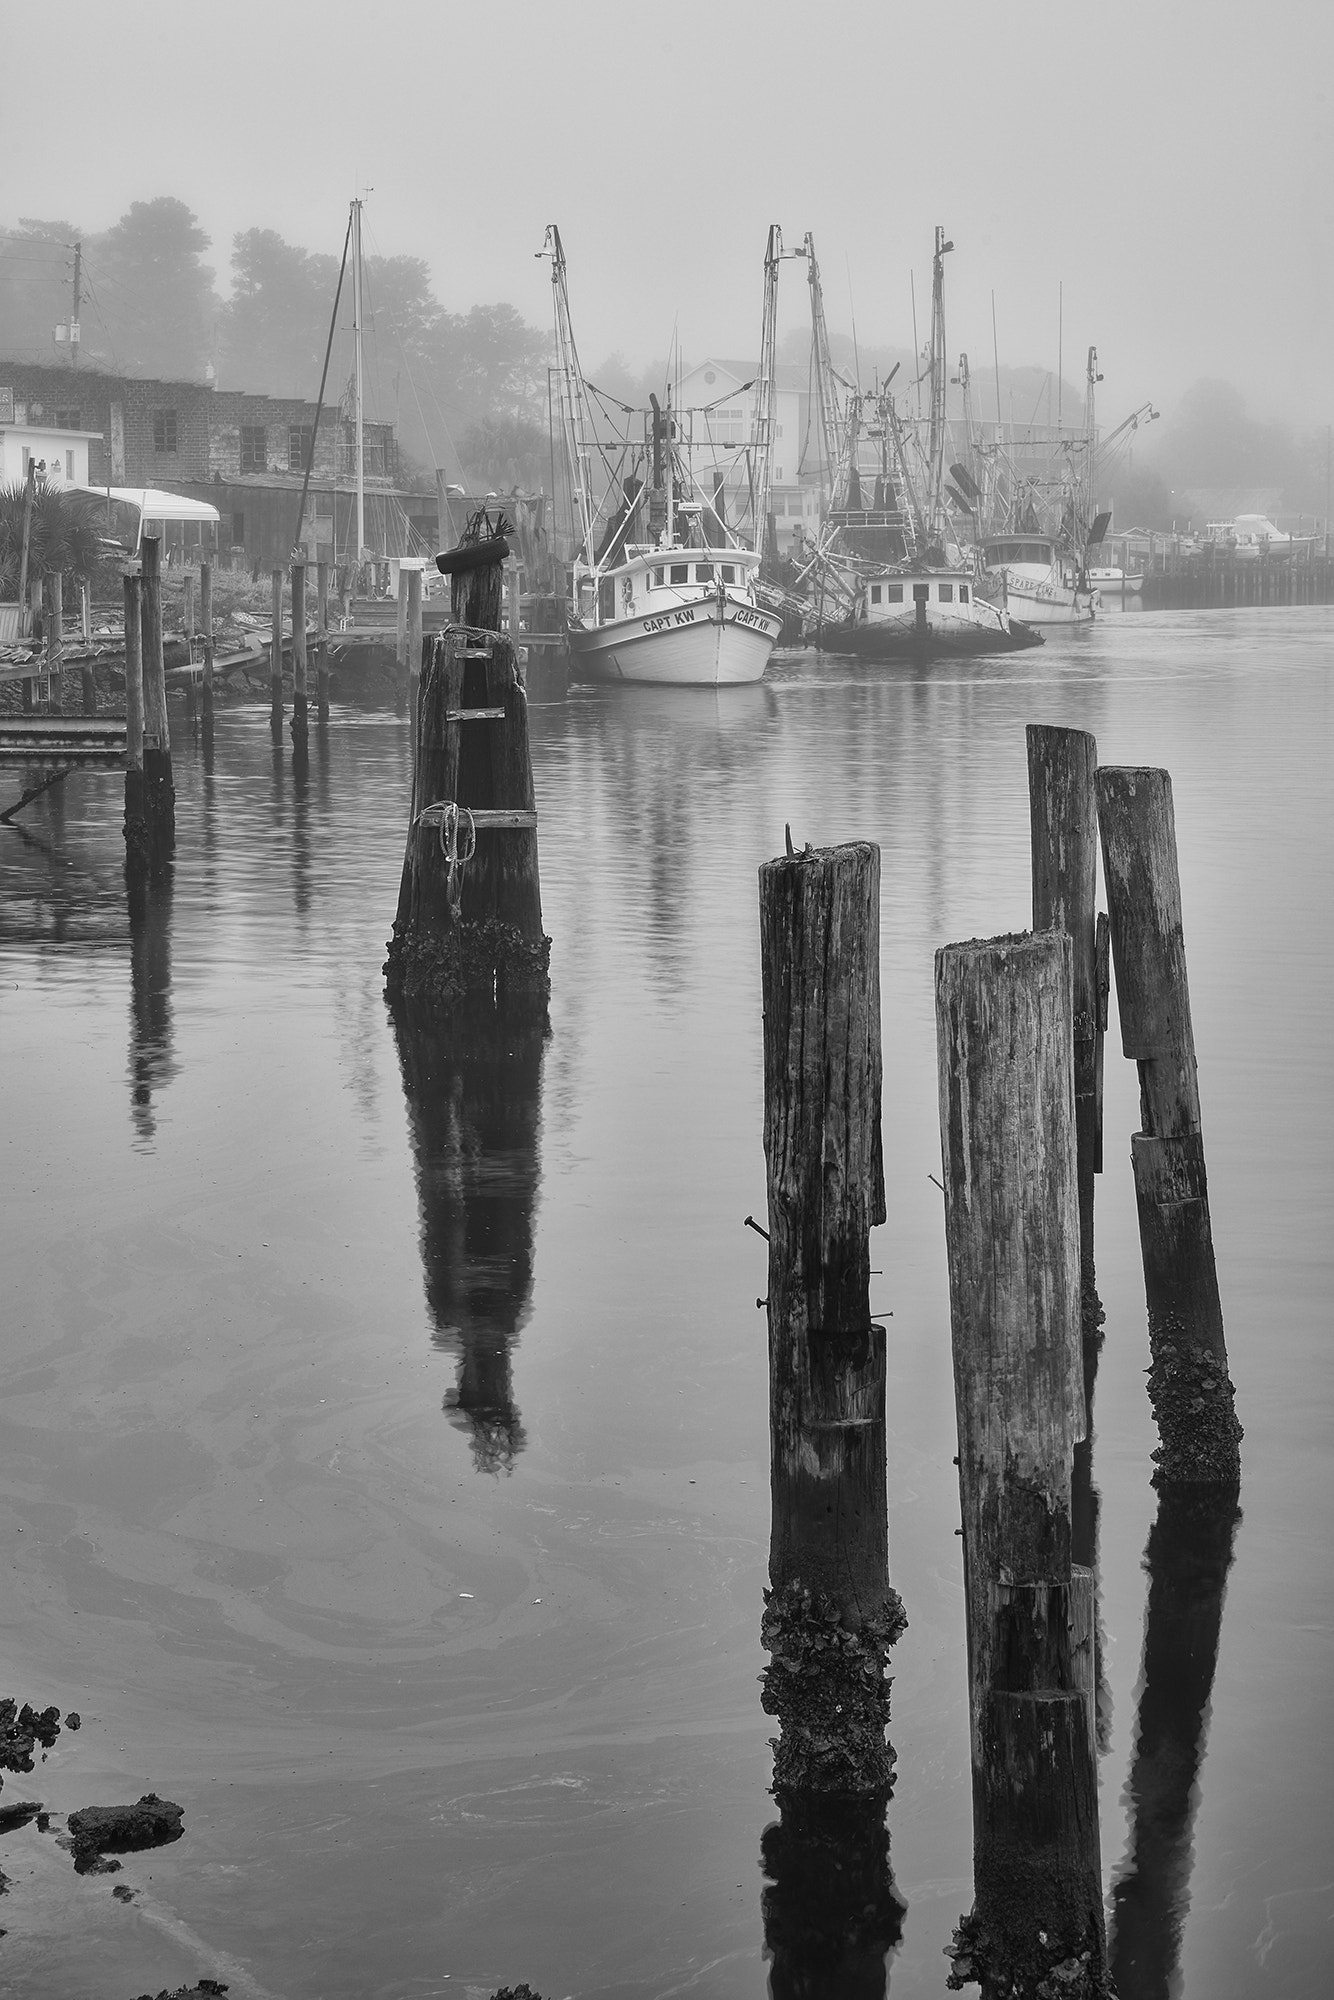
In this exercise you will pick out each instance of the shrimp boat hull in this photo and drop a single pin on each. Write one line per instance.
(900, 639)
(1048, 600)
(704, 644)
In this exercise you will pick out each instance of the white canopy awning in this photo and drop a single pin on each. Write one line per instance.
(154, 505)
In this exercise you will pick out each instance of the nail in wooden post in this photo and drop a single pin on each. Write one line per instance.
(1063, 817)
(136, 821)
(1004, 1026)
(159, 792)
(831, 1613)
(414, 639)
(206, 620)
(299, 653)
(276, 657)
(1189, 1387)
(322, 621)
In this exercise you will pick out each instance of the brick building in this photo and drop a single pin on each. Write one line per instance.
(245, 454)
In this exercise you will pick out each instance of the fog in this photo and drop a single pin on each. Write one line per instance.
(1168, 168)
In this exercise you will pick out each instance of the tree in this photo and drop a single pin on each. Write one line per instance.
(274, 328)
(155, 294)
(503, 452)
(63, 534)
(499, 363)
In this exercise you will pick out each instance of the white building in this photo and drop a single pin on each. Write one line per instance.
(60, 455)
(719, 399)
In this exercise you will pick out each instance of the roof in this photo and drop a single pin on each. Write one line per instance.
(154, 504)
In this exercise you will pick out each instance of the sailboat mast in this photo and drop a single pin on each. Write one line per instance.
(1091, 443)
(573, 407)
(357, 393)
(832, 425)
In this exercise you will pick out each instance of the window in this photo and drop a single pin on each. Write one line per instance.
(875, 593)
(300, 438)
(69, 420)
(729, 572)
(164, 430)
(963, 593)
(253, 455)
(658, 574)
(606, 598)
(704, 572)
(680, 573)
(945, 592)
(894, 593)
(238, 529)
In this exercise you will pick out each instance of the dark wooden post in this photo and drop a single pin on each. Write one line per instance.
(1189, 1387)
(401, 643)
(414, 640)
(206, 620)
(159, 792)
(1063, 819)
(54, 638)
(322, 621)
(830, 1614)
(469, 919)
(1004, 1021)
(276, 658)
(299, 722)
(136, 818)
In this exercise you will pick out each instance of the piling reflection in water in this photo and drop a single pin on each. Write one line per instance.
(474, 1091)
(1188, 1557)
(152, 1062)
(832, 1915)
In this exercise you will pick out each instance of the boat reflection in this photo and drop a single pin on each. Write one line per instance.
(474, 1091)
(152, 1060)
(1188, 1557)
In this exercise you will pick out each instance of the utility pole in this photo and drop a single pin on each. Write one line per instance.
(78, 299)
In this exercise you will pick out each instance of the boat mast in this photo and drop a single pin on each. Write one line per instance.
(762, 429)
(1090, 447)
(575, 426)
(357, 392)
(936, 433)
(832, 423)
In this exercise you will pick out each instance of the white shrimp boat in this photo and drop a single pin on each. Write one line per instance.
(664, 591)
(1039, 583)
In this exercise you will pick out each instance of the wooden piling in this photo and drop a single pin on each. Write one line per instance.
(830, 1614)
(1063, 821)
(1004, 1023)
(52, 633)
(85, 610)
(322, 623)
(206, 620)
(276, 657)
(136, 821)
(414, 641)
(159, 792)
(1189, 1386)
(299, 723)
(469, 919)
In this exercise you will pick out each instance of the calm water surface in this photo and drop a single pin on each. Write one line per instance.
(384, 1465)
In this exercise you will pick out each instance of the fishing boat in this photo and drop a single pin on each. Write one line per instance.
(664, 589)
(888, 580)
(1049, 584)
(1117, 582)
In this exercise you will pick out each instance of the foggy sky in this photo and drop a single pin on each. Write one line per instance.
(1170, 165)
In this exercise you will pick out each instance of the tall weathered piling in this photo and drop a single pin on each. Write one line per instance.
(206, 621)
(1189, 1387)
(159, 791)
(1004, 1024)
(276, 657)
(1063, 819)
(54, 634)
(322, 642)
(299, 720)
(830, 1614)
(469, 919)
(136, 821)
